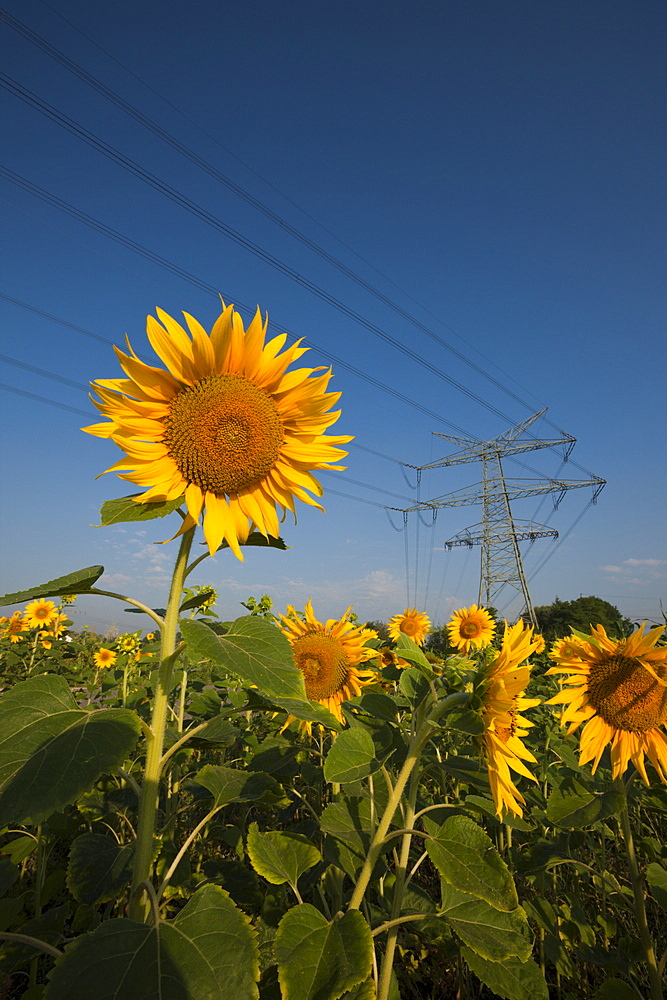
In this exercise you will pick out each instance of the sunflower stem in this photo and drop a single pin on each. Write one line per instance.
(140, 904)
(638, 893)
(419, 740)
(399, 887)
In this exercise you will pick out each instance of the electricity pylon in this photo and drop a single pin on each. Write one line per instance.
(498, 533)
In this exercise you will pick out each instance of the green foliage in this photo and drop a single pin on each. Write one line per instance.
(558, 619)
(318, 959)
(151, 963)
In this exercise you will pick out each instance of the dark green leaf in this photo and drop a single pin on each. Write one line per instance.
(78, 582)
(8, 874)
(217, 730)
(318, 960)
(510, 979)
(98, 868)
(208, 951)
(227, 784)
(351, 757)
(127, 509)
(575, 808)
(615, 989)
(656, 876)
(280, 857)
(468, 861)
(489, 932)
(44, 735)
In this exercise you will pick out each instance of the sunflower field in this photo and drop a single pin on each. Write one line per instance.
(286, 806)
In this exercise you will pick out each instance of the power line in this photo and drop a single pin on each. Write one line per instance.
(192, 279)
(201, 213)
(231, 185)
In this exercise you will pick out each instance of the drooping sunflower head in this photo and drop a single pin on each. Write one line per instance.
(329, 655)
(566, 649)
(619, 689)
(415, 624)
(39, 613)
(504, 701)
(104, 657)
(224, 424)
(540, 644)
(471, 627)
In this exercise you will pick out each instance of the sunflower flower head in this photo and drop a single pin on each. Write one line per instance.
(504, 701)
(330, 656)
(224, 424)
(566, 649)
(13, 627)
(104, 658)
(471, 628)
(39, 613)
(618, 688)
(415, 624)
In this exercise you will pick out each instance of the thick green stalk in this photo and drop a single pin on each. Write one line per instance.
(638, 892)
(419, 741)
(399, 886)
(139, 901)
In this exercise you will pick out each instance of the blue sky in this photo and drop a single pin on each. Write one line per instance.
(492, 172)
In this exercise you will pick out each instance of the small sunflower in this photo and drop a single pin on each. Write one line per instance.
(150, 636)
(104, 658)
(39, 613)
(540, 644)
(504, 726)
(471, 627)
(566, 649)
(226, 425)
(329, 656)
(415, 624)
(619, 689)
(13, 627)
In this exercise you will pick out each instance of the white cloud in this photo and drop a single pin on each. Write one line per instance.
(645, 562)
(611, 569)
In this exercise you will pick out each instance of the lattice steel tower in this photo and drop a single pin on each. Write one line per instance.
(499, 533)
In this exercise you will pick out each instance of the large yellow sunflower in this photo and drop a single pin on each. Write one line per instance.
(619, 689)
(504, 726)
(39, 613)
(226, 425)
(471, 627)
(329, 656)
(415, 624)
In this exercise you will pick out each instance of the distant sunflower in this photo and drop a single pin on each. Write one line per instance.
(329, 656)
(504, 726)
(104, 657)
(226, 425)
(13, 627)
(619, 689)
(471, 627)
(415, 624)
(540, 644)
(39, 613)
(566, 649)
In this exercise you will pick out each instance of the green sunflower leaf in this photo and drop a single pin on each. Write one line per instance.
(577, 808)
(127, 509)
(656, 876)
(351, 757)
(491, 933)
(509, 979)
(280, 857)
(209, 950)
(468, 861)
(254, 650)
(78, 582)
(318, 960)
(44, 733)
(227, 784)
(98, 868)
